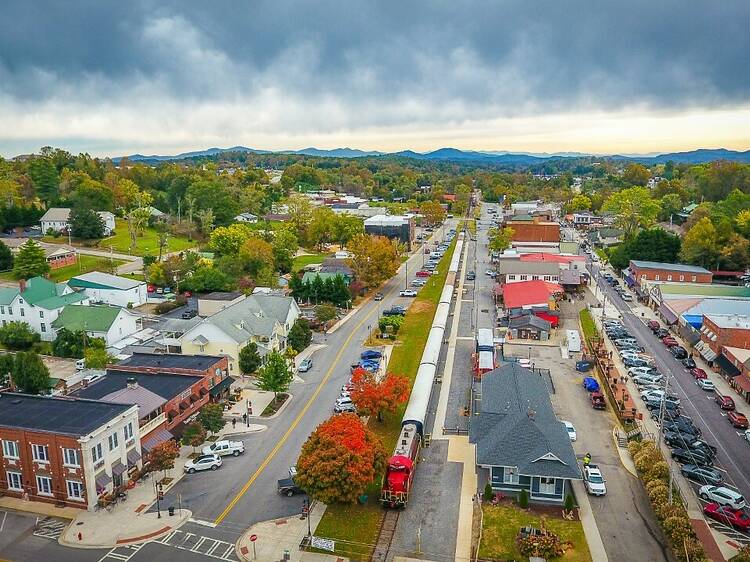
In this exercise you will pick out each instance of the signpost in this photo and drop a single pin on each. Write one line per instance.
(254, 538)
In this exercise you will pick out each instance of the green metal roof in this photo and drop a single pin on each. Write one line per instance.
(7, 295)
(88, 318)
(704, 290)
(46, 294)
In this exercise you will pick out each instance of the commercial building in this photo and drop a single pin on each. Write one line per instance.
(66, 451)
(533, 235)
(399, 228)
(530, 294)
(569, 270)
(110, 323)
(529, 327)
(639, 271)
(110, 289)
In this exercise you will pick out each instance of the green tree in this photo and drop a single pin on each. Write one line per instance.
(227, 240)
(500, 238)
(743, 222)
(6, 257)
(634, 209)
(208, 278)
(30, 261)
(257, 256)
(321, 227)
(284, 246)
(325, 313)
(45, 178)
(654, 244)
(211, 417)
(86, 224)
(194, 435)
(275, 374)
(700, 245)
(374, 259)
(18, 335)
(249, 358)
(580, 202)
(96, 356)
(206, 218)
(214, 195)
(300, 335)
(670, 204)
(735, 254)
(69, 344)
(346, 227)
(30, 374)
(636, 174)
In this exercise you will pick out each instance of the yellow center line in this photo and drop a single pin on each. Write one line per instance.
(296, 421)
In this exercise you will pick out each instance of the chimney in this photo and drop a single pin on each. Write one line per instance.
(132, 382)
(22, 285)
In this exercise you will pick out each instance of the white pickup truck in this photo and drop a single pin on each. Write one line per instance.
(224, 448)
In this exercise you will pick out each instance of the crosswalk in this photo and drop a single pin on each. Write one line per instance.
(122, 553)
(50, 528)
(205, 546)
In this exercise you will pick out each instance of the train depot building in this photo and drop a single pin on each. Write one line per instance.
(520, 443)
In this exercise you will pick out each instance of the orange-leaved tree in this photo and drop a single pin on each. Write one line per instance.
(339, 460)
(373, 396)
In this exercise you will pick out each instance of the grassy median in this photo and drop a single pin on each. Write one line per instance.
(587, 324)
(355, 528)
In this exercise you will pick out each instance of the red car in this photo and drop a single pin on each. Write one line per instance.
(150, 288)
(653, 324)
(725, 402)
(698, 373)
(423, 273)
(738, 420)
(737, 518)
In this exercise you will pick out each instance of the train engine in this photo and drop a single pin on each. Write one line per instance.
(399, 472)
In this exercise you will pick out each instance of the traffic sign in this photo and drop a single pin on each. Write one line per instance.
(253, 538)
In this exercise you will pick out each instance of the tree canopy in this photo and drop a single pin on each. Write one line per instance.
(29, 373)
(373, 395)
(275, 374)
(30, 261)
(374, 259)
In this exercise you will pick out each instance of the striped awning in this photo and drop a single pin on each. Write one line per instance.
(133, 456)
(159, 436)
(705, 351)
(118, 468)
(102, 479)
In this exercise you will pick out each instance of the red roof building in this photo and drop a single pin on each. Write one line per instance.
(528, 294)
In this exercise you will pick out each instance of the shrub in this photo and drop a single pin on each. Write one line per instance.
(523, 499)
(570, 502)
(654, 484)
(678, 527)
(545, 546)
(658, 494)
(634, 447)
(488, 494)
(659, 470)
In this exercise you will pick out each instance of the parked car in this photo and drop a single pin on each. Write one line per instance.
(570, 428)
(395, 311)
(345, 407)
(678, 351)
(491, 273)
(408, 293)
(224, 447)
(736, 518)
(662, 332)
(689, 362)
(418, 283)
(370, 354)
(637, 371)
(698, 373)
(669, 404)
(597, 401)
(593, 480)
(653, 325)
(378, 297)
(188, 314)
(584, 365)
(722, 495)
(690, 456)
(724, 402)
(705, 384)
(702, 474)
(202, 462)
(627, 297)
(679, 423)
(287, 487)
(659, 395)
(737, 420)
(471, 276)
(305, 365)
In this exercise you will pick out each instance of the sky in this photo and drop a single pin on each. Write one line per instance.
(167, 76)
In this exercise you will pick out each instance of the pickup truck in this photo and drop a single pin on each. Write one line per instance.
(597, 401)
(224, 448)
(287, 487)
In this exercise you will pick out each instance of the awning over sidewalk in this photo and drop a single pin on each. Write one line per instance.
(669, 316)
(133, 456)
(727, 366)
(221, 387)
(705, 351)
(157, 437)
(102, 479)
(118, 468)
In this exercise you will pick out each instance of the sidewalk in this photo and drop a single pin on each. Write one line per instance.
(276, 536)
(590, 528)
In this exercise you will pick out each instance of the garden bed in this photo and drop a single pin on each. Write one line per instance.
(275, 405)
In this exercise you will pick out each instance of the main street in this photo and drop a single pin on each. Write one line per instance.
(243, 492)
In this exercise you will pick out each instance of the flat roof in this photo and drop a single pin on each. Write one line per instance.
(170, 361)
(737, 321)
(166, 385)
(670, 266)
(221, 296)
(53, 414)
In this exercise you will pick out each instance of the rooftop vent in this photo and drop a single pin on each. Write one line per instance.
(132, 382)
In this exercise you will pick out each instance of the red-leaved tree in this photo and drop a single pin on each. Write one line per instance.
(163, 455)
(373, 396)
(339, 460)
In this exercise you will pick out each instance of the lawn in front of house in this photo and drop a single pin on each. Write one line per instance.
(355, 528)
(84, 265)
(303, 261)
(502, 522)
(146, 244)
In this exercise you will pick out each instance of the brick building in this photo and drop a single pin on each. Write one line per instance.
(639, 271)
(66, 451)
(725, 330)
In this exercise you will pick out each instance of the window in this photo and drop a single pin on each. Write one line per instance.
(656, 277)
(128, 431)
(546, 485)
(682, 277)
(70, 457)
(96, 453)
(20, 301)
(44, 485)
(2, 310)
(39, 452)
(75, 489)
(694, 279)
(511, 277)
(43, 327)
(669, 277)
(14, 481)
(41, 314)
(10, 311)
(510, 476)
(23, 313)
(524, 277)
(113, 442)
(10, 449)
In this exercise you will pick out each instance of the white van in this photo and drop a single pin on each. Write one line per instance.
(80, 364)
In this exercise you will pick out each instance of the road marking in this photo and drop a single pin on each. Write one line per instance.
(114, 555)
(2, 525)
(298, 419)
(202, 522)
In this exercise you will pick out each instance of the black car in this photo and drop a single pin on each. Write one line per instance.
(681, 440)
(471, 276)
(287, 487)
(702, 474)
(656, 404)
(689, 363)
(678, 351)
(188, 314)
(679, 425)
(661, 332)
(692, 456)
(635, 363)
(395, 311)
(701, 445)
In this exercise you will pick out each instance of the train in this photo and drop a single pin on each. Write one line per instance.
(399, 473)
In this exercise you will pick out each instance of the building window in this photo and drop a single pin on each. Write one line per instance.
(524, 277)
(75, 489)
(546, 485)
(10, 311)
(669, 277)
(2, 310)
(41, 314)
(44, 485)
(39, 452)
(96, 453)
(23, 313)
(694, 279)
(113, 441)
(70, 457)
(534, 277)
(10, 449)
(682, 277)
(14, 481)
(510, 476)
(511, 277)
(656, 277)
(43, 327)
(128, 431)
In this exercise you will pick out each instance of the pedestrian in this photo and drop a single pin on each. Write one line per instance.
(234, 423)
(244, 418)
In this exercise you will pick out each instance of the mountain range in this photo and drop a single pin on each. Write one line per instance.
(453, 154)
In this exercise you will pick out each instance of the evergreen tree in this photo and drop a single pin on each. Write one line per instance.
(6, 257)
(30, 261)
(29, 373)
(300, 335)
(86, 224)
(249, 359)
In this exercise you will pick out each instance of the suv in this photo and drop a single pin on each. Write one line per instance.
(202, 462)
(737, 420)
(305, 365)
(702, 474)
(395, 311)
(692, 456)
(593, 480)
(722, 495)
(287, 487)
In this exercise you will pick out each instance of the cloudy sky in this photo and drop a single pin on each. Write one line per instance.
(174, 75)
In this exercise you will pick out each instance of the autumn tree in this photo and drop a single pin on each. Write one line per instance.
(194, 435)
(636, 174)
(700, 244)
(163, 455)
(374, 396)
(211, 417)
(227, 240)
(257, 257)
(499, 238)
(579, 202)
(275, 374)
(432, 212)
(340, 460)
(634, 208)
(374, 259)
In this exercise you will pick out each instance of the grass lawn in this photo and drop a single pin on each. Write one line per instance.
(502, 523)
(146, 244)
(602, 254)
(308, 259)
(588, 325)
(84, 265)
(355, 527)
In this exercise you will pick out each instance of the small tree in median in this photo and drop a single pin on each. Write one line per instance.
(194, 435)
(339, 460)
(373, 396)
(211, 417)
(275, 375)
(300, 335)
(249, 358)
(163, 455)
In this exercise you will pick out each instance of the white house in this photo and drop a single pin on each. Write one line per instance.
(246, 217)
(110, 289)
(110, 323)
(57, 219)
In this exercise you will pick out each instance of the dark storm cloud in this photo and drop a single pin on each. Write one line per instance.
(514, 56)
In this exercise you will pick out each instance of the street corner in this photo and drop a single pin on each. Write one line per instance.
(242, 429)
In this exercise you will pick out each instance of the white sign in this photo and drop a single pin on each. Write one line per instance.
(323, 544)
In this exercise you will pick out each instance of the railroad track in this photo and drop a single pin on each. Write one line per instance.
(385, 536)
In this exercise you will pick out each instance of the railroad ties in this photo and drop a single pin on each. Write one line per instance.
(385, 537)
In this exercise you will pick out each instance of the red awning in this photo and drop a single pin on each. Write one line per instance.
(743, 382)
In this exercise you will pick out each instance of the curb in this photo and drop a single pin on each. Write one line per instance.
(620, 453)
(123, 541)
(278, 412)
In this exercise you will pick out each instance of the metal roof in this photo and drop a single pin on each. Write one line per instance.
(166, 385)
(170, 361)
(669, 266)
(99, 280)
